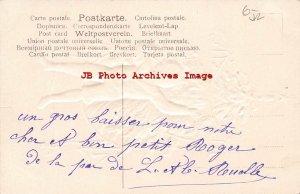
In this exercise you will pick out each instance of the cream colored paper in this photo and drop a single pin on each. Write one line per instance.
(250, 47)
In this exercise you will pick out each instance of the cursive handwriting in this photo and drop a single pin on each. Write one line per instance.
(155, 165)
(107, 117)
(156, 155)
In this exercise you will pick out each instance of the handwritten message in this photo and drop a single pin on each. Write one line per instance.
(153, 156)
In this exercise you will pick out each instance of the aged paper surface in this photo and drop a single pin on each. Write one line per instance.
(150, 97)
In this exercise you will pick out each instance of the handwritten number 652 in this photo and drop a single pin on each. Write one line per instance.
(255, 13)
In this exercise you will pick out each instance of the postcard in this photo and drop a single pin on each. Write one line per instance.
(130, 97)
